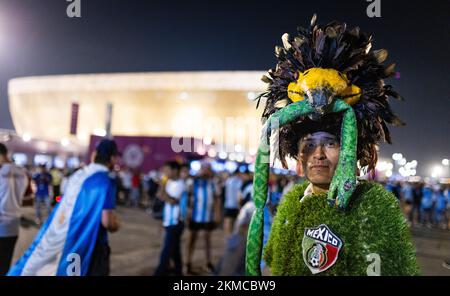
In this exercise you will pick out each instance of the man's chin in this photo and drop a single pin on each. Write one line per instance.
(320, 182)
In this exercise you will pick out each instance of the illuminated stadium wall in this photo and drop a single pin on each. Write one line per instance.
(216, 106)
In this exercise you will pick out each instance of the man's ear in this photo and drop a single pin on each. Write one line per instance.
(112, 161)
(299, 168)
(94, 153)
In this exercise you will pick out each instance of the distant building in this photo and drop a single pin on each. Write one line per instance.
(216, 106)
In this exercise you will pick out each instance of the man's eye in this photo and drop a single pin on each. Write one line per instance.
(331, 144)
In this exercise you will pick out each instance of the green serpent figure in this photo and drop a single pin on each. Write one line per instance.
(343, 183)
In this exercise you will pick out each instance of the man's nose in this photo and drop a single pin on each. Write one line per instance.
(319, 152)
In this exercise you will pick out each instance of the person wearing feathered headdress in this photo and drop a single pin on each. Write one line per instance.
(327, 107)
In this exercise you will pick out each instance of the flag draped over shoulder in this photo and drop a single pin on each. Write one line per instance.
(71, 230)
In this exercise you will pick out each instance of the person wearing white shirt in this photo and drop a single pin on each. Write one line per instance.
(13, 183)
(174, 194)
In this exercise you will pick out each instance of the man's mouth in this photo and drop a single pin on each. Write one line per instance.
(319, 166)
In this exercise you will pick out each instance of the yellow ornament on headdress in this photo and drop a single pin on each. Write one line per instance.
(336, 83)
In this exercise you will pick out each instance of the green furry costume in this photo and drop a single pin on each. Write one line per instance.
(372, 223)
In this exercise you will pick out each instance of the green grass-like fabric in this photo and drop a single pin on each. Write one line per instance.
(372, 223)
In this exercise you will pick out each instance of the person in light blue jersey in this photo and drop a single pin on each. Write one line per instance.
(269, 214)
(446, 193)
(427, 206)
(407, 199)
(441, 207)
(231, 206)
(13, 184)
(42, 181)
(187, 182)
(203, 214)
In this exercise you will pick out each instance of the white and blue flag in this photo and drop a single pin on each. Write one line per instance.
(64, 244)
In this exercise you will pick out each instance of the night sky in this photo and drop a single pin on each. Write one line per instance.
(37, 38)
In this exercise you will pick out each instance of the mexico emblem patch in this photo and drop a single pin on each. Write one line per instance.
(320, 248)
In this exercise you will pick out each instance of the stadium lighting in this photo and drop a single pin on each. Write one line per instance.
(402, 161)
(207, 140)
(436, 172)
(248, 159)
(223, 155)
(397, 156)
(99, 132)
(445, 161)
(201, 150)
(403, 172)
(384, 166)
(65, 142)
(26, 137)
(240, 157)
(184, 96)
(212, 152)
(83, 136)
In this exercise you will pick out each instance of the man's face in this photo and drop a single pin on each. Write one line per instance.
(206, 171)
(113, 161)
(184, 173)
(172, 173)
(165, 171)
(318, 157)
(3, 158)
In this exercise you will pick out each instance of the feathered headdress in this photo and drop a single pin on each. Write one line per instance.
(323, 71)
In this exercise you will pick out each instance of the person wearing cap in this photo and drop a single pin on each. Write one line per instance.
(74, 241)
(13, 184)
(327, 108)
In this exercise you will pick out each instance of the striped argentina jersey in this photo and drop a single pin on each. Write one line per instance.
(174, 213)
(203, 192)
(232, 187)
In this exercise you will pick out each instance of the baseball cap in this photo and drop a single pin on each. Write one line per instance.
(107, 147)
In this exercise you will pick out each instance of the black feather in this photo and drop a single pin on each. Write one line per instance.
(347, 50)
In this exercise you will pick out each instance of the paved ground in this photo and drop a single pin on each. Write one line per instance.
(136, 247)
(432, 245)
